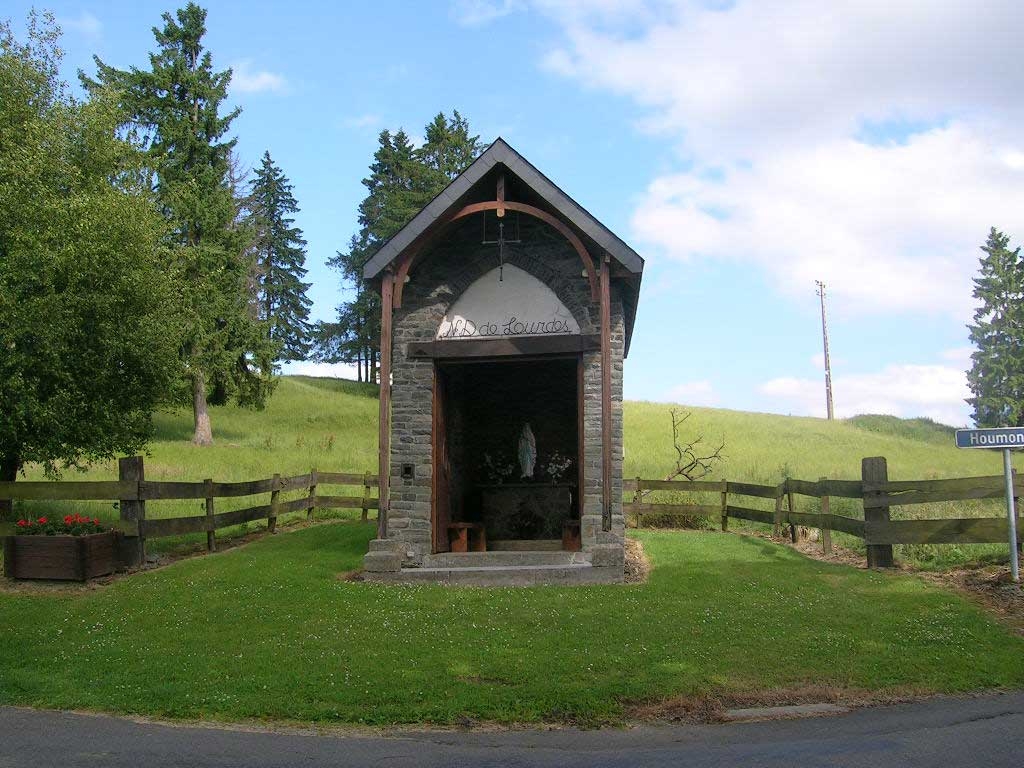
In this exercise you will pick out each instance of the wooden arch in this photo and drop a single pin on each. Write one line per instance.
(501, 205)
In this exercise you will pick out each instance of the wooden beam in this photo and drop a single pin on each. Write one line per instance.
(384, 439)
(405, 264)
(500, 195)
(606, 395)
(504, 346)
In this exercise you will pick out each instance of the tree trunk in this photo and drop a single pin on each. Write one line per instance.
(203, 431)
(9, 466)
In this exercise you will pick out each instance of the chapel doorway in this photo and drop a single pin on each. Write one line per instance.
(488, 415)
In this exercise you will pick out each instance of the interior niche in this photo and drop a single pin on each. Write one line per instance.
(486, 406)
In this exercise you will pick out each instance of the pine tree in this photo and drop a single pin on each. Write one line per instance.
(175, 110)
(997, 372)
(279, 252)
(402, 180)
(448, 149)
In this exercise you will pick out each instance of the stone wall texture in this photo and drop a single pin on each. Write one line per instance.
(436, 281)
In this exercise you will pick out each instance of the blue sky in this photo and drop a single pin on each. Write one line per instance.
(744, 149)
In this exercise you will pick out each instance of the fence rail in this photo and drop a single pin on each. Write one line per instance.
(874, 490)
(133, 493)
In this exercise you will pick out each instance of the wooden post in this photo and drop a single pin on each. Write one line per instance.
(311, 498)
(725, 505)
(275, 502)
(366, 495)
(638, 498)
(133, 548)
(606, 395)
(826, 532)
(211, 530)
(9, 556)
(874, 473)
(384, 436)
(789, 503)
(777, 527)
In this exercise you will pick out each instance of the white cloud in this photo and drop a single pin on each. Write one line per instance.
(935, 391)
(892, 227)
(693, 393)
(85, 24)
(330, 370)
(475, 13)
(245, 79)
(868, 145)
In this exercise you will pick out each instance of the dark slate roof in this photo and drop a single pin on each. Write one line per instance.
(501, 153)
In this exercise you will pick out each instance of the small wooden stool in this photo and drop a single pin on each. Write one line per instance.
(467, 537)
(571, 536)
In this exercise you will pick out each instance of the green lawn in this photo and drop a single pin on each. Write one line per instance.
(269, 631)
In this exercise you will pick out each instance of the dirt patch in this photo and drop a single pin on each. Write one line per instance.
(638, 567)
(711, 708)
(991, 587)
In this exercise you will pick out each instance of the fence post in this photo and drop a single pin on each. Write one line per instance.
(826, 531)
(312, 495)
(789, 503)
(725, 505)
(777, 527)
(366, 495)
(874, 473)
(275, 501)
(638, 498)
(131, 469)
(211, 530)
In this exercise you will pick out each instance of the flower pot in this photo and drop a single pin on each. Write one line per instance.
(74, 558)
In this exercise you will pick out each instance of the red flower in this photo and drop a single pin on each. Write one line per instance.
(22, 523)
(95, 521)
(41, 521)
(67, 519)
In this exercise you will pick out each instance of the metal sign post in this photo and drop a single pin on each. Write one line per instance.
(1005, 439)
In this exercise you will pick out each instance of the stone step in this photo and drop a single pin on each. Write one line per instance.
(529, 545)
(503, 558)
(502, 576)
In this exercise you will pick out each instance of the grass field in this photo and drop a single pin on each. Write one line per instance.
(332, 424)
(269, 631)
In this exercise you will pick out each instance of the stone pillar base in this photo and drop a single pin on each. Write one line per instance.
(385, 556)
(608, 556)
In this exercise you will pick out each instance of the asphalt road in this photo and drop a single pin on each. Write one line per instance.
(985, 732)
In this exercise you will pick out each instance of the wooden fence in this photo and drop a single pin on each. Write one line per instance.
(874, 490)
(131, 490)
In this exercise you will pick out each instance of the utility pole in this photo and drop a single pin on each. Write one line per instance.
(828, 365)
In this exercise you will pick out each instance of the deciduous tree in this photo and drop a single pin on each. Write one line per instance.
(88, 325)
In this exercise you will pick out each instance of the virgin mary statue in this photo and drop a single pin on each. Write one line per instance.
(527, 450)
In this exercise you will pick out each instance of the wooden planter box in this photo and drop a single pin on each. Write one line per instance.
(75, 558)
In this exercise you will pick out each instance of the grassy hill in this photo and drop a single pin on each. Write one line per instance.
(331, 424)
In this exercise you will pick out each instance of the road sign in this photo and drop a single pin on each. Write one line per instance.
(1004, 439)
(996, 437)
